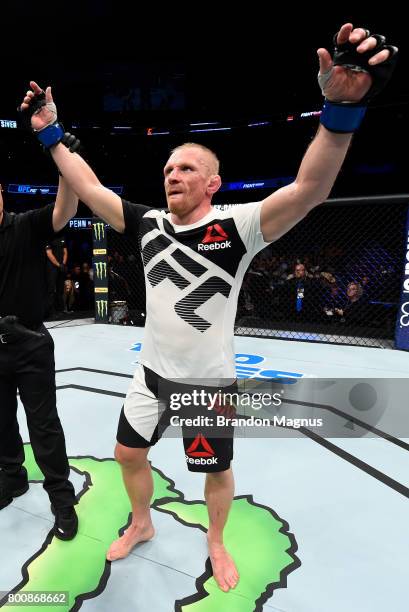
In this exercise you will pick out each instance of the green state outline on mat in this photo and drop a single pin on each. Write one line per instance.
(158, 505)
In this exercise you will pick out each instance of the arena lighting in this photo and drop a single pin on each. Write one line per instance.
(75, 126)
(158, 133)
(47, 189)
(32, 189)
(8, 123)
(279, 181)
(309, 114)
(206, 126)
(258, 123)
(220, 129)
(304, 115)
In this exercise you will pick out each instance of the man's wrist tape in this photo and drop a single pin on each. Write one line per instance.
(342, 118)
(50, 135)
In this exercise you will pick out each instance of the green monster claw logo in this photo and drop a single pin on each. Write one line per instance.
(101, 269)
(102, 308)
(99, 231)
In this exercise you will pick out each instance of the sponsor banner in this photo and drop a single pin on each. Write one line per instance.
(100, 265)
(99, 230)
(402, 322)
(100, 268)
(101, 307)
(80, 223)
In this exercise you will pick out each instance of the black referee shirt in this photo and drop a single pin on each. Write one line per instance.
(23, 263)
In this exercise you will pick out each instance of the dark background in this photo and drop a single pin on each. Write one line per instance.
(110, 66)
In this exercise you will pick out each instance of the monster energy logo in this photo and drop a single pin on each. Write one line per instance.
(102, 308)
(99, 231)
(101, 269)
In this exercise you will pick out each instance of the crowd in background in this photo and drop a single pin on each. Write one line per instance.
(327, 287)
(70, 285)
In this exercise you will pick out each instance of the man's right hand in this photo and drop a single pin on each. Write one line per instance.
(44, 116)
(76, 172)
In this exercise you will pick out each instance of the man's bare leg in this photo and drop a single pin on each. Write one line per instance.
(137, 476)
(219, 491)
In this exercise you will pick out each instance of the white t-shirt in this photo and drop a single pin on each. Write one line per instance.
(193, 275)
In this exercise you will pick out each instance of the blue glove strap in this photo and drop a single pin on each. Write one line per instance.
(50, 135)
(341, 118)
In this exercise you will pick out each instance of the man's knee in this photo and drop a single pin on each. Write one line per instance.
(220, 477)
(135, 457)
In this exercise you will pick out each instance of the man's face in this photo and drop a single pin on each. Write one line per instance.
(352, 290)
(299, 271)
(188, 173)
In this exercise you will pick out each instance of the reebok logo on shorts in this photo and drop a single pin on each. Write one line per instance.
(200, 447)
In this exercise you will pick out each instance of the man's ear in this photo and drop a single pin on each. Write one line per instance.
(214, 184)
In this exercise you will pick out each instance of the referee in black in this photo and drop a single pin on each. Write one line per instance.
(27, 358)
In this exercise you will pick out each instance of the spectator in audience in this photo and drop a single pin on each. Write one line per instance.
(76, 279)
(57, 257)
(300, 296)
(355, 309)
(283, 267)
(69, 294)
(245, 306)
(368, 287)
(86, 290)
(333, 301)
(300, 272)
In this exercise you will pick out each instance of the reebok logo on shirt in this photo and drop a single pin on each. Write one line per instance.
(213, 240)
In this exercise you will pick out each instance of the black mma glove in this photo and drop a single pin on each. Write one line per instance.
(346, 55)
(343, 117)
(52, 133)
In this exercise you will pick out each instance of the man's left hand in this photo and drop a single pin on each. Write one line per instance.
(343, 83)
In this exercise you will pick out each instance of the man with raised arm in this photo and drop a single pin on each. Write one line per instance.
(195, 258)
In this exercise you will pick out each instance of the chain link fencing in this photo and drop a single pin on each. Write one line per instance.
(335, 277)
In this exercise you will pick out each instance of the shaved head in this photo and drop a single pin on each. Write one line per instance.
(209, 158)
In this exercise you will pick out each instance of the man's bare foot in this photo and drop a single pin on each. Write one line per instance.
(121, 547)
(224, 569)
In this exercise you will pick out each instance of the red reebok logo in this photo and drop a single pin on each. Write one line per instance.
(200, 439)
(214, 233)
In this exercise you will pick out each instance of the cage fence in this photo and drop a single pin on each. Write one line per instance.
(335, 277)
